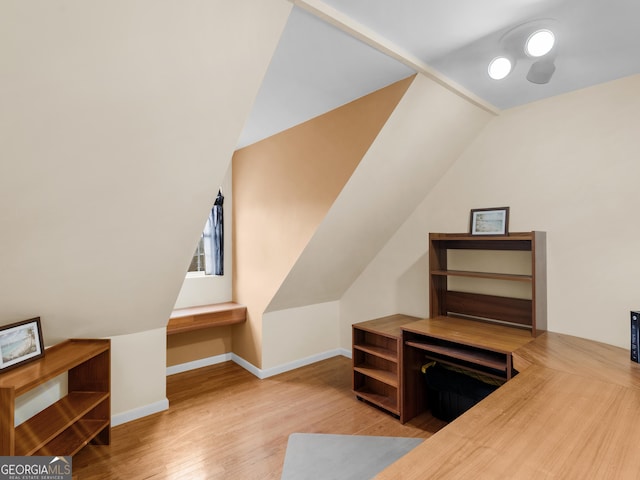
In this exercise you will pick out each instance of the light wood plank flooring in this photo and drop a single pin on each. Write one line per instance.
(224, 423)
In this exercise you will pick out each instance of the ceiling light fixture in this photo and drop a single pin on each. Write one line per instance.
(499, 68)
(539, 43)
(541, 71)
(533, 44)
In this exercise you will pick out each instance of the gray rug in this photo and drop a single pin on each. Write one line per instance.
(314, 456)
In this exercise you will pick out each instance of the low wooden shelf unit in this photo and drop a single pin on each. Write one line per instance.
(80, 417)
(377, 369)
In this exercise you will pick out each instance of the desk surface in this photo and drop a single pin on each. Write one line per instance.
(572, 412)
(499, 338)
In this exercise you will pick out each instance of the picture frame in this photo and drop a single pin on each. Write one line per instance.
(20, 342)
(489, 221)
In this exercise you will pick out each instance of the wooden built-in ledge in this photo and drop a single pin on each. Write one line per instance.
(206, 316)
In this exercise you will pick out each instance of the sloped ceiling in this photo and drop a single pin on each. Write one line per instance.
(425, 134)
(322, 60)
(596, 40)
(116, 119)
(315, 68)
(449, 43)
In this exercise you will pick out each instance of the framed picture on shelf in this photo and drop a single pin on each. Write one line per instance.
(20, 342)
(489, 221)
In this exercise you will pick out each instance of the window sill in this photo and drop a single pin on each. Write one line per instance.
(197, 275)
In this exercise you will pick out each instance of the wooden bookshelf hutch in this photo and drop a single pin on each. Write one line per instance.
(80, 417)
(526, 313)
(474, 331)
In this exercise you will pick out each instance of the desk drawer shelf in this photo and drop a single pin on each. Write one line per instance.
(481, 358)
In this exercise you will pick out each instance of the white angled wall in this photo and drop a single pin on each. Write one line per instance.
(566, 165)
(424, 135)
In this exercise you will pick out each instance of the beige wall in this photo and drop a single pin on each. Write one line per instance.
(283, 187)
(113, 147)
(201, 344)
(299, 335)
(138, 374)
(119, 120)
(424, 135)
(566, 165)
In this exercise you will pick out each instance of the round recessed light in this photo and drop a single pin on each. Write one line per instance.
(539, 43)
(499, 68)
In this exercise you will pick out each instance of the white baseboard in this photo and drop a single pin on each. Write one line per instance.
(251, 368)
(139, 412)
(285, 367)
(204, 362)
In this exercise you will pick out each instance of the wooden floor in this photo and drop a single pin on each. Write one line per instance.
(224, 423)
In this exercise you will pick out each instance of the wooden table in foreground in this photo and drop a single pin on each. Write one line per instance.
(572, 412)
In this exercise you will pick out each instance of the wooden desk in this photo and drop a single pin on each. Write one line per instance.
(480, 347)
(572, 412)
(206, 316)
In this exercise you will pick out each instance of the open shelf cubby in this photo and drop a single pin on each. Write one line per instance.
(82, 416)
(526, 311)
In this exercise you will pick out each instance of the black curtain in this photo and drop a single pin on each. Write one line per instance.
(214, 242)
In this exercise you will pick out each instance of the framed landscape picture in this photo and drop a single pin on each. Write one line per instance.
(489, 221)
(20, 342)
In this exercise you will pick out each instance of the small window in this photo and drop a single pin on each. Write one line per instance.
(197, 262)
(209, 254)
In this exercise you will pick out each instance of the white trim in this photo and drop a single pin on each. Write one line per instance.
(199, 274)
(204, 362)
(270, 372)
(139, 412)
(358, 31)
(251, 368)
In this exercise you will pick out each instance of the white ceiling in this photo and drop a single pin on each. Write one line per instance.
(331, 52)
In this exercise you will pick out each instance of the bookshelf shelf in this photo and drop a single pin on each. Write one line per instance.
(80, 417)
